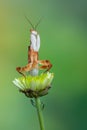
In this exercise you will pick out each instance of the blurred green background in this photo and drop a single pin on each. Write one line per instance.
(63, 32)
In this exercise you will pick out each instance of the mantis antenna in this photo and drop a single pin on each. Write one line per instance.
(38, 23)
(34, 27)
(30, 22)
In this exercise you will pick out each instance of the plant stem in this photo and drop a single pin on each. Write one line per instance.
(39, 112)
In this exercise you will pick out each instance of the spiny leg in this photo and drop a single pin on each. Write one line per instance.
(45, 64)
(26, 68)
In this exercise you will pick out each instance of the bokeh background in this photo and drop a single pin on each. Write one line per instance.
(63, 32)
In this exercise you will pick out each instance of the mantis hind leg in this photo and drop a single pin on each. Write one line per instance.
(24, 69)
(45, 64)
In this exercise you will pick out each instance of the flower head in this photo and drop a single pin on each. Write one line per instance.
(34, 86)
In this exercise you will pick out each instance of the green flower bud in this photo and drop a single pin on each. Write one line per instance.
(34, 86)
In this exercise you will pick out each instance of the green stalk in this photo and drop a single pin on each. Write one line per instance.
(38, 104)
(39, 112)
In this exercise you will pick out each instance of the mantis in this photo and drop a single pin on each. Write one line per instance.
(33, 49)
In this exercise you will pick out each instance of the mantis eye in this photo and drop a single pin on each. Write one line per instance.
(31, 30)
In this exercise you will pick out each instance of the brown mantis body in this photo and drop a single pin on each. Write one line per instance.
(33, 62)
(33, 59)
